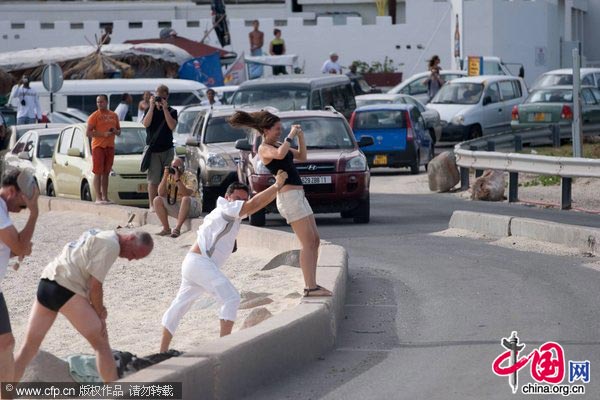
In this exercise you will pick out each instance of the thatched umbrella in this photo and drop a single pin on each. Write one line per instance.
(6, 82)
(98, 66)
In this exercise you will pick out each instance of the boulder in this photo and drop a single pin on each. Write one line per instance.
(489, 186)
(247, 295)
(260, 301)
(442, 172)
(256, 316)
(47, 368)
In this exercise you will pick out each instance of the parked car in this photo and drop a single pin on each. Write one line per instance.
(562, 77)
(416, 85)
(431, 117)
(9, 114)
(335, 175)
(399, 135)
(33, 150)
(225, 93)
(16, 131)
(71, 175)
(554, 105)
(477, 105)
(298, 92)
(211, 154)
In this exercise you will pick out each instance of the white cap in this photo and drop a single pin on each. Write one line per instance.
(333, 53)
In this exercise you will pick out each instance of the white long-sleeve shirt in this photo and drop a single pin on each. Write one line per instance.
(32, 108)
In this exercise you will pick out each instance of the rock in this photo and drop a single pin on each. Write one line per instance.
(293, 295)
(45, 367)
(256, 316)
(260, 301)
(442, 172)
(291, 258)
(250, 295)
(489, 186)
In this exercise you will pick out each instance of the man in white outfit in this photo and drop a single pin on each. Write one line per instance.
(27, 102)
(332, 66)
(122, 109)
(200, 270)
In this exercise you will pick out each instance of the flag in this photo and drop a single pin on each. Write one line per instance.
(220, 22)
(236, 73)
(206, 70)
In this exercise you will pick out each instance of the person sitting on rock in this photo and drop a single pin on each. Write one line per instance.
(200, 270)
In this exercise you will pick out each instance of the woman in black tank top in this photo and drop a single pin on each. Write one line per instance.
(291, 202)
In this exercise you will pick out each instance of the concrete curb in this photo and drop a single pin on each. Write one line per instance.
(496, 226)
(230, 367)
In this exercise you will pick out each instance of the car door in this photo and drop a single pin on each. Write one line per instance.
(431, 117)
(590, 106)
(597, 79)
(422, 137)
(492, 109)
(11, 159)
(60, 162)
(511, 96)
(78, 166)
(417, 89)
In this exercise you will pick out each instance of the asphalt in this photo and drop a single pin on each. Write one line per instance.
(425, 315)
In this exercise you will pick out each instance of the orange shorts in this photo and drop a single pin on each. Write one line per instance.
(102, 159)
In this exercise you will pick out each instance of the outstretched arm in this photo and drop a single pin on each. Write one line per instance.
(262, 199)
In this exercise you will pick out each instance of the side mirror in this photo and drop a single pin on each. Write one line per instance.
(243, 144)
(74, 152)
(191, 141)
(366, 141)
(487, 100)
(24, 155)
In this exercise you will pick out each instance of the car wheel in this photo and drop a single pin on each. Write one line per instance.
(362, 213)
(86, 193)
(50, 189)
(414, 168)
(259, 218)
(346, 214)
(475, 132)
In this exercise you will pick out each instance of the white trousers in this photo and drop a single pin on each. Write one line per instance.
(199, 275)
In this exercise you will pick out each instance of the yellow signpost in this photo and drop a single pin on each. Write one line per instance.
(475, 66)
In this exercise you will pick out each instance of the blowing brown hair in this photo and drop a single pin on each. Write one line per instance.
(260, 120)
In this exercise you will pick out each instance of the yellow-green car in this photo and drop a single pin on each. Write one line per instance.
(71, 174)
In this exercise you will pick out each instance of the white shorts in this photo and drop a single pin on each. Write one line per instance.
(292, 205)
(199, 275)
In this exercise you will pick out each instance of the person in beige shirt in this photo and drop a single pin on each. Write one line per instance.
(72, 285)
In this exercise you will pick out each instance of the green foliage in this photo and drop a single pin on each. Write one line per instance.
(363, 67)
(544, 180)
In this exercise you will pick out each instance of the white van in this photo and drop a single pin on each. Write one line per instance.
(477, 105)
(81, 94)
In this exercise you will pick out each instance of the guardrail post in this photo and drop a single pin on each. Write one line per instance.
(513, 187)
(555, 131)
(464, 178)
(565, 200)
(478, 173)
(491, 145)
(518, 143)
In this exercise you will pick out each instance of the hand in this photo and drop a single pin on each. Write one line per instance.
(165, 105)
(280, 178)
(32, 204)
(300, 133)
(166, 172)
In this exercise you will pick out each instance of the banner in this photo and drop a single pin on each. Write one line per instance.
(475, 66)
(220, 22)
(236, 73)
(206, 70)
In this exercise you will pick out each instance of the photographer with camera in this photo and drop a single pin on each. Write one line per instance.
(102, 126)
(27, 102)
(177, 197)
(159, 120)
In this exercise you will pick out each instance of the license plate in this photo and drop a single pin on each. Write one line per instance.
(315, 180)
(142, 188)
(380, 160)
(541, 117)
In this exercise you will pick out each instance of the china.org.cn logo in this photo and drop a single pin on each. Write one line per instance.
(547, 368)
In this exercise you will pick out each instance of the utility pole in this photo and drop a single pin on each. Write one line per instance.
(577, 127)
(456, 33)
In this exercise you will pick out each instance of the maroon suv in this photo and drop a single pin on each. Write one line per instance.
(335, 175)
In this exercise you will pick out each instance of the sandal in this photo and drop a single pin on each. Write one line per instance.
(164, 232)
(175, 233)
(308, 291)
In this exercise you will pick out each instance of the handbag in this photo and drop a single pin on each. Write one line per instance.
(147, 154)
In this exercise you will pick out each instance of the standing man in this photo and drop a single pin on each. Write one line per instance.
(160, 120)
(332, 66)
(19, 244)
(72, 285)
(102, 126)
(200, 270)
(257, 39)
(27, 102)
(122, 109)
(211, 99)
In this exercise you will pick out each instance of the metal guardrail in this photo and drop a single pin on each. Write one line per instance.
(481, 154)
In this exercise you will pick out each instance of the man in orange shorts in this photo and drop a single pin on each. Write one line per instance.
(102, 127)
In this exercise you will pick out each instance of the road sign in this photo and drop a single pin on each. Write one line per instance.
(475, 66)
(52, 77)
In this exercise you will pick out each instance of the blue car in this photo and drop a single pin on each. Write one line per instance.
(399, 135)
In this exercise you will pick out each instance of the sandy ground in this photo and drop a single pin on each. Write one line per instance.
(137, 293)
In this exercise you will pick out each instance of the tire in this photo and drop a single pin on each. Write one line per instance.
(346, 214)
(475, 132)
(50, 189)
(362, 213)
(259, 218)
(414, 168)
(86, 193)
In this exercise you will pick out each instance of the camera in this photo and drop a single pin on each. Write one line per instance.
(172, 170)
(157, 99)
(23, 103)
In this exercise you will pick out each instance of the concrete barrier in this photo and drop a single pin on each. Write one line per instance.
(492, 225)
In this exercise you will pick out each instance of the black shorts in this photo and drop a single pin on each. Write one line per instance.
(4, 318)
(51, 295)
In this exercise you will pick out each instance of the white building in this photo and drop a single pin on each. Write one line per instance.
(539, 34)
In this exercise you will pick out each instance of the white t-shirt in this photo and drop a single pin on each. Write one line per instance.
(122, 110)
(206, 103)
(91, 255)
(32, 108)
(216, 235)
(5, 222)
(329, 65)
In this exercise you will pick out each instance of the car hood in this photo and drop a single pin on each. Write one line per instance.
(448, 111)
(225, 148)
(127, 164)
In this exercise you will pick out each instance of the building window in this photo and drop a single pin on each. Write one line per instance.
(164, 24)
(401, 12)
(193, 24)
(47, 25)
(76, 25)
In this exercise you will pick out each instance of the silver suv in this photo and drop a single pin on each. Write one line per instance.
(211, 154)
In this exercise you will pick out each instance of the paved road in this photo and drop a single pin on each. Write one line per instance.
(425, 314)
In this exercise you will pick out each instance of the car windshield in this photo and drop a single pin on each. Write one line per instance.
(361, 102)
(551, 96)
(459, 93)
(46, 144)
(284, 98)
(185, 120)
(320, 132)
(219, 131)
(130, 141)
(380, 119)
(553, 80)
